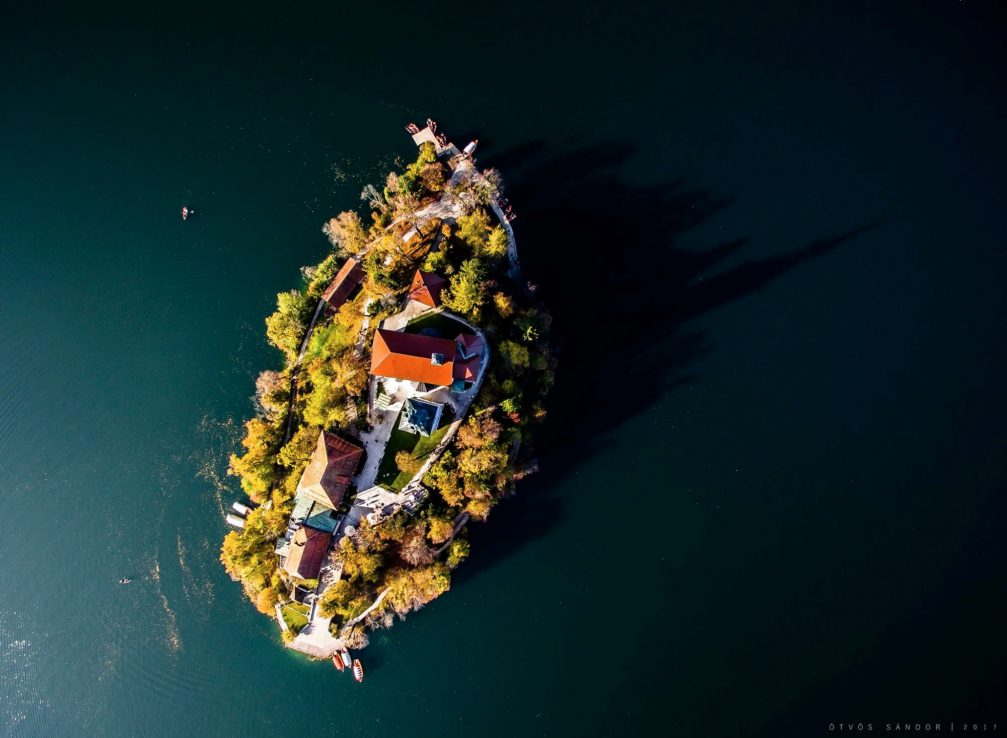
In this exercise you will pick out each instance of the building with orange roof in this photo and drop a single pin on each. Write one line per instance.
(439, 362)
(426, 288)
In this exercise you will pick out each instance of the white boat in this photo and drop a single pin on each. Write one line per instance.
(470, 147)
(234, 521)
(185, 213)
(345, 656)
(242, 510)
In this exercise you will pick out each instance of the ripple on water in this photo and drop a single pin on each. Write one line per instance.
(217, 440)
(25, 704)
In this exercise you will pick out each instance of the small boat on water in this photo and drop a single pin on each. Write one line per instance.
(242, 510)
(345, 656)
(234, 521)
(125, 580)
(338, 662)
(358, 670)
(470, 148)
(186, 212)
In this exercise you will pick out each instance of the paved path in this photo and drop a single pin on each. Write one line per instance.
(514, 272)
(316, 640)
(377, 437)
(412, 311)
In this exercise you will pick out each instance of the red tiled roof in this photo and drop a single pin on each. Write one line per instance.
(426, 288)
(467, 369)
(471, 343)
(328, 474)
(307, 552)
(345, 281)
(409, 356)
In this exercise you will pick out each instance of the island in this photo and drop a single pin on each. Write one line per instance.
(416, 364)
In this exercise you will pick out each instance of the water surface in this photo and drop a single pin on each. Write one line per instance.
(773, 238)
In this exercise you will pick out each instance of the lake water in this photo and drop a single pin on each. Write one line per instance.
(773, 477)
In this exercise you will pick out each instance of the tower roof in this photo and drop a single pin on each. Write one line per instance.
(426, 288)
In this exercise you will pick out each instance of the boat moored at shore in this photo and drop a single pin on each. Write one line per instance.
(240, 509)
(235, 521)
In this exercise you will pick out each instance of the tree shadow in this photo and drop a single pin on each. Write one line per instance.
(622, 290)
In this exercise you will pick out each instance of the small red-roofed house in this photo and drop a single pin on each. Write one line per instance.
(307, 552)
(426, 288)
(346, 280)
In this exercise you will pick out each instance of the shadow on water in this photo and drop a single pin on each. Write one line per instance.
(606, 253)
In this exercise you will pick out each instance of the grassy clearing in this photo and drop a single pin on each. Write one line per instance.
(420, 447)
(295, 615)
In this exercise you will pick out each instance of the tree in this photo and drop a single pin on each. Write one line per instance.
(393, 529)
(326, 405)
(320, 275)
(511, 406)
(411, 589)
(479, 509)
(399, 191)
(479, 431)
(504, 304)
(496, 244)
(531, 325)
(350, 372)
(474, 229)
(355, 637)
(265, 601)
(440, 529)
(488, 187)
(272, 391)
(458, 551)
(346, 232)
(467, 289)
(372, 197)
(248, 553)
(407, 463)
(427, 154)
(285, 327)
(436, 261)
(299, 448)
(255, 467)
(327, 342)
(359, 562)
(414, 549)
(514, 355)
(432, 178)
(443, 477)
(371, 538)
(482, 463)
(344, 600)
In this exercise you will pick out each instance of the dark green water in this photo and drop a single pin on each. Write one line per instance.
(773, 478)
